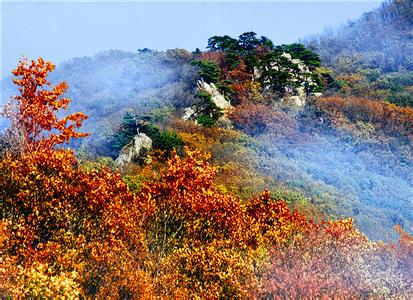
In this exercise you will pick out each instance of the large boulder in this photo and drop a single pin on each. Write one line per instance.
(136, 150)
(216, 96)
(191, 113)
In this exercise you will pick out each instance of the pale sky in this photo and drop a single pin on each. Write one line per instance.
(60, 31)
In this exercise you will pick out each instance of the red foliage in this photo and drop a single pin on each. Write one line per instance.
(187, 194)
(240, 74)
(215, 57)
(240, 78)
(251, 118)
(332, 260)
(255, 118)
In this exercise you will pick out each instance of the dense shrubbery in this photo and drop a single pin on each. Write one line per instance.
(178, 237)
(395, 87)
(372, 56)
(56, 216)
(387, 117)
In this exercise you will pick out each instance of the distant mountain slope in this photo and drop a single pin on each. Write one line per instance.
(382, 38)
(107, 84)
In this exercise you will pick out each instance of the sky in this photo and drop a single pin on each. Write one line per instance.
(59, 31)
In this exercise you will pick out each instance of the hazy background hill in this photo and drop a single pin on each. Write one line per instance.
(382, 38)
(373, 55)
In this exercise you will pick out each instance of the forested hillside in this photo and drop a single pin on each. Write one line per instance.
(374, 54)
(379, 39)
(248, 170)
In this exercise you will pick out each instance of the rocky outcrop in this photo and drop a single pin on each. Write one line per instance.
(293, 101)
(191, 113)
(216, 96)
(135, 151)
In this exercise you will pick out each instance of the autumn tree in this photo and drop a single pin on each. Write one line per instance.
(34, 112)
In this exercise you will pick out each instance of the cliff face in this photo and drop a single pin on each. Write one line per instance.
(136, 150)
(191, 113)
(216, 96)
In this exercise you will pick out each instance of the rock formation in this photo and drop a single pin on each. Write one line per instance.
(191, 113)
(136, 150)
(216, 96)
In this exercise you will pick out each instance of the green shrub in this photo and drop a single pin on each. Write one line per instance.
(164, 140)
(207, 70)
(119, 139)
(206, 121)
(207, 108)
(401, 99)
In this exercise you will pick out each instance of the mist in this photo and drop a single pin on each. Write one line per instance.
(364, 177)
(381, 39)
(287, 164)
(110, 83)
(347, 176)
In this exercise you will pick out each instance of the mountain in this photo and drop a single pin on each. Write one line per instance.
(249, 170)
(336, 163)
(382, 38)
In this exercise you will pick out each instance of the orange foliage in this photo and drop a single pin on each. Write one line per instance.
(35, 111)
(209, 271)
(69, 231)
(195, 233)
(186, 195)
(389, 117)
(69, 220)
(274, 222)
(405, 253)
(203, 242)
